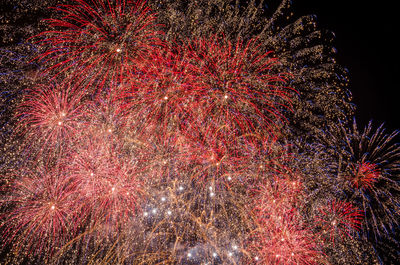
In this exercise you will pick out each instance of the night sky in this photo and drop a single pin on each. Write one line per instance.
(366, 46)
(365, 40)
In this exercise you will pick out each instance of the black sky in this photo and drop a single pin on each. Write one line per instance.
(365, 39)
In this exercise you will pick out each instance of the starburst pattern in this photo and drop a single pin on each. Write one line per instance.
(373, 168)
(365, 175)
(43, 211)
(53, 114)
(105, 40)
(339, 219)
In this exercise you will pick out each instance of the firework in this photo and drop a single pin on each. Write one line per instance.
(365, 175)
(181, 210)
(160, 98)
(51, 115)
(339, 219)
(372, 170)
(104, 41)
(232, 81)
(279, 237)
(201, 144)
(108, 183)
(43, 211)
(303, 49)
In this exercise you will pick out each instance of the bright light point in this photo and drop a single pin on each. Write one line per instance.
(229, 178)
(282, 239)
(214, 255)
(169, 212)
(212, 194)
(91, 174)
(189, 255)
(333, 222)
(113, 189)
(165, 97)
(163, 199)
(256, 258)
(180, 188)
(62, 114)
(274, 201)
(226, 96)
(292, 254)
(154, 210)
(59, 123)
(145, 214)
(109, 130)
(118, 50)
(230, 254)
(127, 193)
(277, 255)
(52, 207)
(235, 247)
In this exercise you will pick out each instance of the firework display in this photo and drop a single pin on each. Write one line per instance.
(187, 132)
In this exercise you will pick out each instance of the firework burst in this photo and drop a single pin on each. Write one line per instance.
(365, 175)
(43, 211)
(160, 98)
(104, 41)
(200, 145)
(373, 172)
(232, 81)
(108, 184)
(279, 237)
(51, 115)
(339, 219)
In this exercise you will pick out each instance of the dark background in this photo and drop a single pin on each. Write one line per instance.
(366, 33)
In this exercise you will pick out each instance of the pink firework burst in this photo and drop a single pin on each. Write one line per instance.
(365, 175)
(103, 40)
(279, 237)
(339, 219)
(285, 243)
(107, 180)
(43, 211)
(237, 86)
(51, 114)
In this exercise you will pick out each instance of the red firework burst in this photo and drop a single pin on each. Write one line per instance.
(44, 211)
(162, 95)
(339, 219)
(103, 40)
(51, 114)
(365, 175)
(237, 86)
(107, 180)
